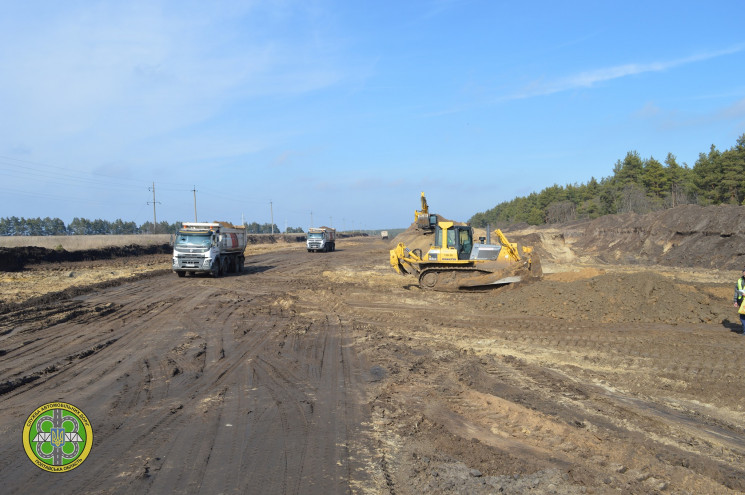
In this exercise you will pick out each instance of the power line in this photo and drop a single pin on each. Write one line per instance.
(195, 203)
(155, 221)
(30, 169)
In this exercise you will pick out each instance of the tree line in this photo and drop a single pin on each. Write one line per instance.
(637, 185)
(83, 226)
(80, 226)
(268, 228)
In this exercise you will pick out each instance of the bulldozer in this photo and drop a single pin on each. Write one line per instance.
(454, 262)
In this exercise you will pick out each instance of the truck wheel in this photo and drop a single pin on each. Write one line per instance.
(241, 262)
(181, 274)
(215, 272)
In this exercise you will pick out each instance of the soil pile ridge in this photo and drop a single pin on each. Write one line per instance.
(642, 297)
(685, 236)
(16, 258)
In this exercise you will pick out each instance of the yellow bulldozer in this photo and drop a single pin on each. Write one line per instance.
(454, 262)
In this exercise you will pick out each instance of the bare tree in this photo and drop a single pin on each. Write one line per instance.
(560, 212)
(634, 199)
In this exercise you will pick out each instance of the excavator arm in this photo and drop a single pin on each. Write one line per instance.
(424, 211)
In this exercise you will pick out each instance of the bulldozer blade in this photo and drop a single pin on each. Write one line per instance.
(506, 275)
(507, 280)
(489, 279)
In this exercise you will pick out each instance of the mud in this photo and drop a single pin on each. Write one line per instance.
(330, 373)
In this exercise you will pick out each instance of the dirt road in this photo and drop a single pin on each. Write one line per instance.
(327, 373)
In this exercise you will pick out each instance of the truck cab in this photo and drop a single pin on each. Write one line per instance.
(208, 247)
(321, 239)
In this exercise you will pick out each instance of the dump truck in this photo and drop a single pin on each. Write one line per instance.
(454, 262)
(215, 248)
(384, 234)
(321, 239)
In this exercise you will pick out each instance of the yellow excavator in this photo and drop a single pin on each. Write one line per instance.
(454, 262)
(422, 218)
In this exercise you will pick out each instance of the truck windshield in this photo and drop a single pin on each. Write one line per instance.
(199, 240)
(315, 235)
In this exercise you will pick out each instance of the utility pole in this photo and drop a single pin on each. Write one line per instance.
(271, 212)
(195, 203)
(155, 220)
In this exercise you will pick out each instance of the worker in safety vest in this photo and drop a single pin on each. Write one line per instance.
(739, 296)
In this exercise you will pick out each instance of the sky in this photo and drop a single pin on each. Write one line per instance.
(340, 113)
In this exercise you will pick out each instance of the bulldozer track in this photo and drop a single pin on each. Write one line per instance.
(446, 278)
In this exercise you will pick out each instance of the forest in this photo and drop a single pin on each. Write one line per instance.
(82, 226)
(637, 185)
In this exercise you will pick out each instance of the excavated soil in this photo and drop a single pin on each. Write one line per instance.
(619, 372)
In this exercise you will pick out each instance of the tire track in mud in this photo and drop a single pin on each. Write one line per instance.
(620, 395)
(320, 373)
(208, 384)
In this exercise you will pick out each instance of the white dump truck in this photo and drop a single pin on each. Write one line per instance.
(215, 248)
(321, 239)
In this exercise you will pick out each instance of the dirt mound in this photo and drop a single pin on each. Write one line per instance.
(416, 238)
(277, 238)
(274, 238)
(642, 297)
(685, 236)
(15, 259)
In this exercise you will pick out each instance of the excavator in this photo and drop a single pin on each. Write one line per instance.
(454, 262)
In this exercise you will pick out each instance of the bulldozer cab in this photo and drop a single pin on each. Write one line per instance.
(454, 241)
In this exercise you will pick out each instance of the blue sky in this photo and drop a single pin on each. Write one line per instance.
(342, 112)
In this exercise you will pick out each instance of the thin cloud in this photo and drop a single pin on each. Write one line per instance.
(152, 83)
(588, 79)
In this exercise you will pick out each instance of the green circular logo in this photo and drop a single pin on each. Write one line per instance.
(57, 437)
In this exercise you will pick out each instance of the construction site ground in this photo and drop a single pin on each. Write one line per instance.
(318, 373)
